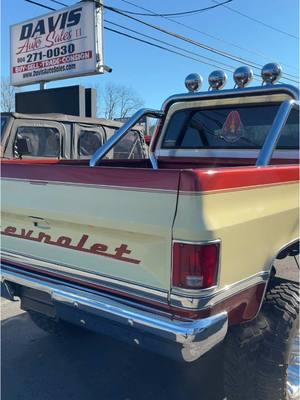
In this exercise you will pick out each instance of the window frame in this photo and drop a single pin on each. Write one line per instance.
(35, 123)
(220, 152)
(78, 127)
(186, 126)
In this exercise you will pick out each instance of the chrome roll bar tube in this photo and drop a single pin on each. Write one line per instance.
(273, 136)
(103, 150)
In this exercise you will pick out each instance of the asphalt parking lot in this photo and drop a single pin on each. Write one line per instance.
(84, 366)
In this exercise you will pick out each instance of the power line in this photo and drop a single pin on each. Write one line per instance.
(155, 27)
(228, 68)
(257, 21)
(66, 5)
(178, 14)
(192, 41)
(224, 54)
(162, 47)
(144, 41)
(267, 57)
(40, 5)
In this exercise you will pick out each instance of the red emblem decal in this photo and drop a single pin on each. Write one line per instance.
(233, 127)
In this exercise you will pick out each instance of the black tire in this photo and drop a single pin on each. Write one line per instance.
(256, 354)
(281, 311)
(241, 348)
(51, 325)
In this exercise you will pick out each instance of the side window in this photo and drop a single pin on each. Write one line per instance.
(88, 142)
(130, 147)
(37, 141)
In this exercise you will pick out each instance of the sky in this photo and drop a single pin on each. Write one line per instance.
(155, 74)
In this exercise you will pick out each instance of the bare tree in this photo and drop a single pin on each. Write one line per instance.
(7, 95)
(129, 101)
(118, 101)
(111, 100)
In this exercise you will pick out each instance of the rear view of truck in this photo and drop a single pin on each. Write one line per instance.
(173, 253)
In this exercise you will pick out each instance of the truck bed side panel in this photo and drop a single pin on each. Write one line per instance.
(254, 211)
(105, 221)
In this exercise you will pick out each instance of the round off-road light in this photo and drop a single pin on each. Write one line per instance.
(243, 76)
(193, 82)
(271, 73)
(217, 80)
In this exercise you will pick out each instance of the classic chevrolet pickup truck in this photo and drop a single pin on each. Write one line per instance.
(173, 253)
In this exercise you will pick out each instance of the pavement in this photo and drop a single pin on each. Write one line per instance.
(87, 366)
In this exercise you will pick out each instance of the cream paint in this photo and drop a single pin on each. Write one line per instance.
(142, 220)
(253, 225)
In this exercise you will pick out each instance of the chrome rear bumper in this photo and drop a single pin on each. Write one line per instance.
(185, 340)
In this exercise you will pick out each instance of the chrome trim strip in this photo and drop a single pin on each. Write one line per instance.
(194, 337)
(273, 136)
(72, 272)
(179, 298)
(200, 301)
(224, 153)
(103, 150)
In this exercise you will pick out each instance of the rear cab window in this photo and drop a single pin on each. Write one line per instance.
(233, 127)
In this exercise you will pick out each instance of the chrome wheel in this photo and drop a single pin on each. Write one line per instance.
(293, 371)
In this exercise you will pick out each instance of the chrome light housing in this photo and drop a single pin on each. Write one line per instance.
(217, 80)
(243, 76)
(271, 73)
(193, 82)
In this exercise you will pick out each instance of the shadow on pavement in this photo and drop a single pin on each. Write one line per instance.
(83, 366)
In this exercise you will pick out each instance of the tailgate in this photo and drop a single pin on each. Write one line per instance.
(114, 223)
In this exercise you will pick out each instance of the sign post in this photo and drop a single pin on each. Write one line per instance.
(63, 44)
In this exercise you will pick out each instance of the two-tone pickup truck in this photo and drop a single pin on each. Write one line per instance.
(173, 253)
(61, 136)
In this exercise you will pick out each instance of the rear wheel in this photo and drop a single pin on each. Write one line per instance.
(278, 367)
(262, 357)
(241, 349)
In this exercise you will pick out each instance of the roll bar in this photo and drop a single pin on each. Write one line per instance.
(273, 136)
(268, 147)
(112, 141)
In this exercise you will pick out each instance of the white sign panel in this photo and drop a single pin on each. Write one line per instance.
(59, 45)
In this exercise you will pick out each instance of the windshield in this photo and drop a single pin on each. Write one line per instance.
(4, 119)
(228, 127)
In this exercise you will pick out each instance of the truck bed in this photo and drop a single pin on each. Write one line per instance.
(115, 226)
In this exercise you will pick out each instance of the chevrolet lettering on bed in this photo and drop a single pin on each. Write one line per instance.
(66, 242)
(173, 252)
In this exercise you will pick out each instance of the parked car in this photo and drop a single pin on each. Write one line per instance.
(60, 136)
(173, 253)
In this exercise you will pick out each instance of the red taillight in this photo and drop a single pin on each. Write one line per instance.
(195, 266)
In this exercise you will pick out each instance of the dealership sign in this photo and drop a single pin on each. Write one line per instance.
(58, 45)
